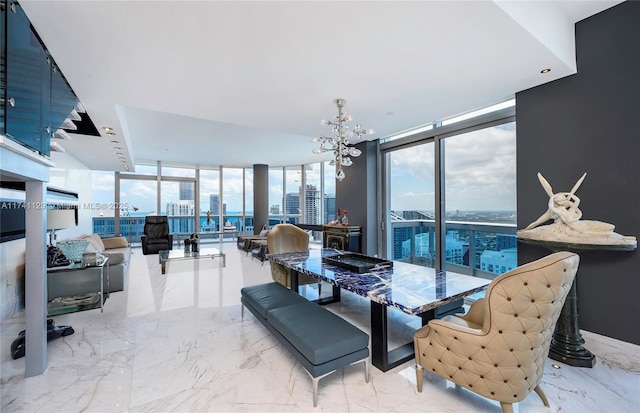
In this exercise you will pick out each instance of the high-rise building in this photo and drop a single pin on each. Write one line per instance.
(329, 208)
(312, 205)
(186, 191)
(214, 204)
(292, 204)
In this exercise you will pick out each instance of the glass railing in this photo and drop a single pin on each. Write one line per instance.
(479, 249)
(132, 228)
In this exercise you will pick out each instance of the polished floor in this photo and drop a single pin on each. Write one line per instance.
(176, 343)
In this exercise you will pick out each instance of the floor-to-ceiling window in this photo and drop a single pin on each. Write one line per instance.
(329, 208)
(449, 194)
(209, 200)
(248, 201)
(294, 195)
(276, 196)
(178, 198)
(140, 195)
(232, 193)
(480, 199)
(410, 215)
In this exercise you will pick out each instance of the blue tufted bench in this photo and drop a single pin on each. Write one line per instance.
(321, 341)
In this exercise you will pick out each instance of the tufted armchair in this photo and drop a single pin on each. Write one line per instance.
(499, 347)
(156, 235)
(288, 238)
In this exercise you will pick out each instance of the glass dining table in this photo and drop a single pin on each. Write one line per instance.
(410, 288)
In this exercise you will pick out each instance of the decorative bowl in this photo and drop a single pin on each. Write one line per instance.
(73, 250)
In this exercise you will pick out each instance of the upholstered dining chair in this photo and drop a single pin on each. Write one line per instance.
(288, 238)
(498, 349)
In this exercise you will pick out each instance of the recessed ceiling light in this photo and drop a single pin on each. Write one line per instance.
(111, 133)
(107, 129)
(114, 141)
(118, 153)
(545, 70)
(117, 148)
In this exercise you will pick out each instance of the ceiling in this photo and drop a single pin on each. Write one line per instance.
(242, 83)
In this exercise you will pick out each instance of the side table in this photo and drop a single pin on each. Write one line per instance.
(68, 275)
(566, 343)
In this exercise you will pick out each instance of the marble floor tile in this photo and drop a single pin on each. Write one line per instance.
(176, 342)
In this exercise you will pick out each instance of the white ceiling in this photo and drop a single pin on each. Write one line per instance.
(241, 83)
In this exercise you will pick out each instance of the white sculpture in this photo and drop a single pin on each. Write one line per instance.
(567, 226)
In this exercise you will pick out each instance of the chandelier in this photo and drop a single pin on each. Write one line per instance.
(339, 142)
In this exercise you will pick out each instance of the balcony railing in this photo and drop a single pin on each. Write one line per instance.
(474, 238)
(414, 241)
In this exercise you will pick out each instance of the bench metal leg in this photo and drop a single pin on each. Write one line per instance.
(241, 311)
(315, 380)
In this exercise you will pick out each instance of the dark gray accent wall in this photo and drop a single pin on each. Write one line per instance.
(590, 122)
(357, 193)
(260, 197)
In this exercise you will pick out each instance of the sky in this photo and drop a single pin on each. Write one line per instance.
(480, 170)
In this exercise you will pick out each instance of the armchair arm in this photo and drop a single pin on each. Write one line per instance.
(476, 313)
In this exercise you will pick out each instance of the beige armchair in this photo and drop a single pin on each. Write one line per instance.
(288, 238)
(498, 349)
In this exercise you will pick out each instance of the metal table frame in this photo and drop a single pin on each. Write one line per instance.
(177, 255)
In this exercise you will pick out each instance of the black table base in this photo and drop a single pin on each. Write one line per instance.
(385, 359)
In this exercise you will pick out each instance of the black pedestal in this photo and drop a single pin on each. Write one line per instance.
(566, 343)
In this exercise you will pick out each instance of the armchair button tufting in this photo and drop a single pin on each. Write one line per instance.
(511, 350)
(469, 358)
(533, 301)
(526, 283)
(519, 365)
(482, 347)
(493, 393)
(500, 331)
(470, 385)
(539, 317)
(506, 381)
(459, 368)
(508, 298)
(524, 332)
(482, 377)
(548, 285)
(515, 315)
(495, 365)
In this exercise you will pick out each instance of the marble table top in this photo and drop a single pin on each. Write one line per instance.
(410, 288)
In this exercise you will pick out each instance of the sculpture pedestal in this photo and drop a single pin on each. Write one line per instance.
(566, 343)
